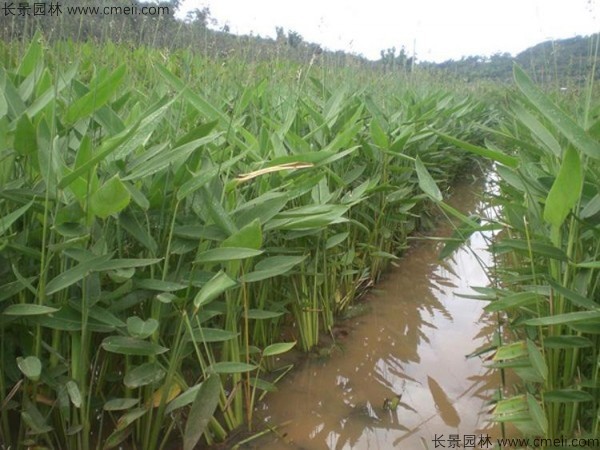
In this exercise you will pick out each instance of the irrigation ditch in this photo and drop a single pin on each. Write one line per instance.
(398, 374)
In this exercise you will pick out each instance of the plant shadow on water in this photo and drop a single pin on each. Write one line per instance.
(412, 346)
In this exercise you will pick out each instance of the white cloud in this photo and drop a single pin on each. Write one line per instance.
(438, 29)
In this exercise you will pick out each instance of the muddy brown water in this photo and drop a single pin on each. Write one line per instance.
(413, 343)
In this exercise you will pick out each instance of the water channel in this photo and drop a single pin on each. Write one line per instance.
(409, 349)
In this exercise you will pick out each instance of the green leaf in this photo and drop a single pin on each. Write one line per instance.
(261, 314)
(98, 95)
(537, 360)
(249, 236)
(212, 335)
(183, 400)
(26, 309)
(566, 189)
(232, 367)
(426, 181)
(226, 254)
(110, 198)
(561, 319)
(147, 373)
(515, 300)
(201, 412)
(568, 396)
(3, 105)
(75, 274)
(336, 239)
(537, 414)
(125, 345)
(9, 219)
(494, 155)
(278, 348)
(139, 328)
(25, 142)
(74, 393)
(272, 267)
(31, 367)
(213, 288)
(576, 135)
(567, 342)
(511, 351)
(120, 404)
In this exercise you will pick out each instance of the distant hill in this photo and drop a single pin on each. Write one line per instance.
(557, 61)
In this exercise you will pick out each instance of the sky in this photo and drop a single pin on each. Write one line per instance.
(435, 30)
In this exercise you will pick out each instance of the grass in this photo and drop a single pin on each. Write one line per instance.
(163, 215)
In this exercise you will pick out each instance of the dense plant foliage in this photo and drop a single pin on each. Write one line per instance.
(163, 216)
(548, 270)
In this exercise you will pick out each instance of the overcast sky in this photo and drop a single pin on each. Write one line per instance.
(436, 30)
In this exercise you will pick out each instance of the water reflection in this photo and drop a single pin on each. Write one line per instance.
(413, 344)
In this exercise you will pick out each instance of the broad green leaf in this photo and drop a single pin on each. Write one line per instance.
(130, 417)
(494, 155)
(226, 254)
(378, 135)
(111, 198)
(278, 348)
(426, 182)
(576, 135)
(537, 415)
(272, 267)
(113, 143)
(160, 285)
(74, 393)
(515, 300)
(32, 57)
(565, 191)
(34, 420)
(538, 249)
(511, 351)
(27, 309)
(169, 157)
(261, 314)
(232, 367)
(3, 105)
(126, 263)
(125, 345)
(139, 328)
(213, 288)
(10, 218)
(336, 239)
(249, 236)
(25, 142)
(120, 404)
(202, 410)
(537, 360)
(561, 319)
(31, 367)
(99, 94)
(574, 297)
(147, 373)
(308, 217)
(568, 396)
(538, 130)
(212, 335)
(567, 342)
(183, 400)
(75, 274)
